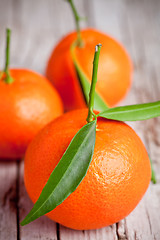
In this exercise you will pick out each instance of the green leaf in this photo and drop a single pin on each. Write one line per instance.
(99, 103)
(136, 112)
(68, 173)
(153, 175)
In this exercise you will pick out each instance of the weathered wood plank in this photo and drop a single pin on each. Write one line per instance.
(8, 200)
(108, 233)
(42, 228)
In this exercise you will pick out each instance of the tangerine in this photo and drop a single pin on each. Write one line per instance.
(114, 73)
(117, 178)
(26, 105)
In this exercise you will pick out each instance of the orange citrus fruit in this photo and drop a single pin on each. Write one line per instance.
(117, 178)
(114, 73)
(26, 105)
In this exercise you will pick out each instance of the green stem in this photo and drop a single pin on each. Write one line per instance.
(8, 79)
(93, 83)
(77, 20)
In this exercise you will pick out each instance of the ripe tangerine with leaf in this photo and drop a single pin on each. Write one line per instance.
(67, 187)
(27, 103)
(115, 69)
(117, 178)
(114, 72)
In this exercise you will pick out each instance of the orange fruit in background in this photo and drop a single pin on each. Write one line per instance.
(114, 72)
(117, 178)
(26, 105)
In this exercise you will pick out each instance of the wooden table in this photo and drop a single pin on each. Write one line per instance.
(37, 26)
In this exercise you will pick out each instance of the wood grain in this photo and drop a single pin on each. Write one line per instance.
(8, 200)
(36, 28)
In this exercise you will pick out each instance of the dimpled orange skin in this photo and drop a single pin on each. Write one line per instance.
(26, 105)
(114, 72)
(117, 178)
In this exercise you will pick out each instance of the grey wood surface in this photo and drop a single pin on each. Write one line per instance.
(37, 26)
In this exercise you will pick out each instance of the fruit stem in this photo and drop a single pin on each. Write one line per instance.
(77, 20)
(8, 79)
(93, 83)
